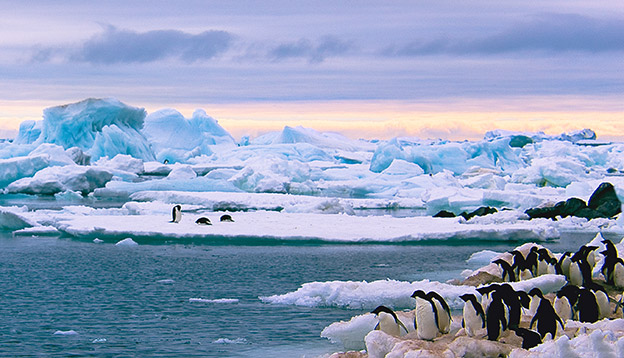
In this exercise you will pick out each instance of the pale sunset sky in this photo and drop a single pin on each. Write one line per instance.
(367, 69)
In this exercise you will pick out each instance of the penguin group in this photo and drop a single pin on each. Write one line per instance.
(176, 214)
(432, 316)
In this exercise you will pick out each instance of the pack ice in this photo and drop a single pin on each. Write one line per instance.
(295, 184)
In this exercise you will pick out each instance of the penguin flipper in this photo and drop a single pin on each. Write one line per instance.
(463, 323)
(435, 314)
(377, 328)
(533, 321)
(402, 325)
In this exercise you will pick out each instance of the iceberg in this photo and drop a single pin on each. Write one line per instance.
(53, 180)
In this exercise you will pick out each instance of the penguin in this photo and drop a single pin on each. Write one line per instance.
(473, 316)
(531, 260)
(530, 338)
(426, 316)
(443, 311)
(226, 218)
(166, 161)
(388, 321)
(525, 300)
(564, 263)
(511, 300)
(508, 273)
(486, 294)
(495, 320)
(546, 319)
(580, 271)
(618, 273)
(566, 296)
(176, 214)
(203, 221)
(591, 256)
(518, 263)
(536, 296)
(586, 306)
(543, 261)
(602, 299)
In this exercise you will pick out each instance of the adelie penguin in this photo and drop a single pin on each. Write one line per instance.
(203, 221)
(564, 301)
(495, 317)
(546, 319)
(388, 322)
(530, 338)
(176, 214)
(602, 299)
(536, 296)
(443, 312)
(508, 274)
(586, 306)
(473, 315)
(226, 218)
(426, 316)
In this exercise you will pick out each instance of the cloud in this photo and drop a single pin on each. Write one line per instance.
(327, 46)
(552, 33)
(125, 46)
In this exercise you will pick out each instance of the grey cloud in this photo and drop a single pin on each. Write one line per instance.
(126, 46)
(547, 33)
(327, 46)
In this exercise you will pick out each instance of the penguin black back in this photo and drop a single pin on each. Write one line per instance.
(530, 338)
(495, 317)
(546, 318)
(469, 297)
(203, 221)
(226, 218)
(587, 306)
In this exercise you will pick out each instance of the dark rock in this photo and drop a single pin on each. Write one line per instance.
(519, 141)
(484, 210)
(605, 201)
(570, 207)
(547, 213)
(444, 214)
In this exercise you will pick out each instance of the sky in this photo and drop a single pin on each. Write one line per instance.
(370, 69)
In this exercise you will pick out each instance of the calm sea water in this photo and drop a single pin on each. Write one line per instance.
(134, 301)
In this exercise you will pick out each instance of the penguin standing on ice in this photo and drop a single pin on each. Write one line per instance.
(511, 299)
(531, 260)
(486, 294)
(443, 312)
(176, 214)
(530, 338)
(602, 299)
(473, 316)
(495, 317)
(388, 322)
(508, 272)
(564, 263)
(563, 305)
(544, 262)
(586, 306)
(546, 319)
(426, 316)
(610, 259)
(618, 273)
(520, 266)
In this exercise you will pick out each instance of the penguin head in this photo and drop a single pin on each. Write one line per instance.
(536, 292)
(571, 292)
(525, 301)
(466, 297)
(419, 294)
(543, 253)
(487, 289)
(383, 309)
(178, 207)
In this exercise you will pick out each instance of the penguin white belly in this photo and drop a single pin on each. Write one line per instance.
(576, 278)
(426, 327)
(565, 266)
(563, 308)
(618, 275)
(525, 275)
(485, 301)
(535, 301)
(472, 321)
(603, 304)
(388, 325)
(444, 320)
(542, 267)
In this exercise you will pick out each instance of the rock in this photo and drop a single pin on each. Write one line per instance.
(519, 141)
(484, 210)
(444, 214)
(605, 201)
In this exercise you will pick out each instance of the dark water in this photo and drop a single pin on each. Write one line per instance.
(115, 300)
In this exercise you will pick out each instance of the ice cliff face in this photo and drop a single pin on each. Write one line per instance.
(99, 127)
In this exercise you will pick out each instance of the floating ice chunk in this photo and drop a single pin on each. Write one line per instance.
(239, 340)
(66, 333)
(176, 138)
(351, 333)
(218, 300)
(13, 169)
(14, 218)
(123, 163)
(99, 340)
(97, 241)
(38, 230)
(127, 242)
(68, 195)
(483, 257)
(166, 281)
(107, 127)
(52, 180)
(182, 172)
(56, 153)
